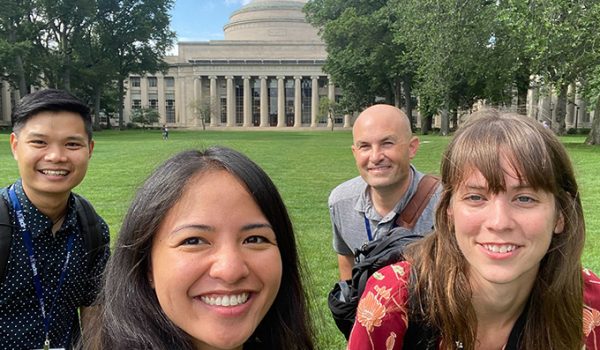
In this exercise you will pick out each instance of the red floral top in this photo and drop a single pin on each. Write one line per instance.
(382, 320)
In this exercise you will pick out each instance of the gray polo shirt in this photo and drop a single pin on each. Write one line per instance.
(350, 203)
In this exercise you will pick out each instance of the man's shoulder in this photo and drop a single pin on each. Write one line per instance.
(348, 189)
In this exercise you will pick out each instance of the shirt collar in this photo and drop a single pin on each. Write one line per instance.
(364, 204)
(37, 222)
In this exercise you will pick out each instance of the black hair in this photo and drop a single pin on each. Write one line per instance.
(132, 317)
(52, 100)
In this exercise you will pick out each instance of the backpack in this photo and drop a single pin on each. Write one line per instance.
(344, 296)
(90, 226)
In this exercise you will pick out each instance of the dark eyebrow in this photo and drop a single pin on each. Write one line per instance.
(69, 138)
(207, 228)
(195, 227)
(255, 226)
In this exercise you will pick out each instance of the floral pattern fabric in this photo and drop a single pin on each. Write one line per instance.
(382, 313)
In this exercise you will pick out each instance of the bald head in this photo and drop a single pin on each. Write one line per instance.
(382, 116)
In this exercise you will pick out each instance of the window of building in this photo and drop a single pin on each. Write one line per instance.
(306, 101)
(136, 104)
(255, 102)
(170, 116)
(223, 106)
(152, 82)
(135, 81)
(153, 103)
(169, 82)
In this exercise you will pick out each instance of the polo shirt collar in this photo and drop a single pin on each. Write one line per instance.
(364, 204)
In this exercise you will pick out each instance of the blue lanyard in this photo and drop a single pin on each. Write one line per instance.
(368, 228)
(37, 282)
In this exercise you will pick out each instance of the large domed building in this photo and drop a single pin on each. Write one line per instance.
(267, 72)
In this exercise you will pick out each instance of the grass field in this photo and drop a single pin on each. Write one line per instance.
(305, 166)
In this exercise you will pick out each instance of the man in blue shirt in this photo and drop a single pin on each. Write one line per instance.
(48, 276)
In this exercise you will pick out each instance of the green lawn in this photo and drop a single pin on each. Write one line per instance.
(304, 165)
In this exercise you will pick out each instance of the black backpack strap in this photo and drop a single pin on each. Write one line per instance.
(5, 238)
(91, 228)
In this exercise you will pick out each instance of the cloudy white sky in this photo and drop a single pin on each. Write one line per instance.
(202, 20)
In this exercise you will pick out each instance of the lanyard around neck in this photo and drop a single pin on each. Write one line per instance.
(368, 228)
(37, 282)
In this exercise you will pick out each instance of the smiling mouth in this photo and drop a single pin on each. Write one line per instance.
(226, 300)
(504, 248)
(55, 172)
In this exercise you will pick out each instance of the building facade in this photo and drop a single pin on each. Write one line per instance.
(267, 72)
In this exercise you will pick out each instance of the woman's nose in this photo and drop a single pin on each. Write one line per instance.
(229, 265)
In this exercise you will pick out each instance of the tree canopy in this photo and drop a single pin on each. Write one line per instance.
(88, 47)
(453, 53)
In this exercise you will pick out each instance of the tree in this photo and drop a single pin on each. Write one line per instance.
(20, 53)
(563, 46)
(327, 110)
(65, 22)
(592, 93)
(364, 57)
(136, 37)
(202, 110)
(145, 116)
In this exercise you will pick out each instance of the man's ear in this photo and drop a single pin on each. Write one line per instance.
(91, 148)
(13, 144)
(413, 147)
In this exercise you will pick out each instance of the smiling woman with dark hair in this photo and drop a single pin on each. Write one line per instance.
(502, 269)
(206, 259)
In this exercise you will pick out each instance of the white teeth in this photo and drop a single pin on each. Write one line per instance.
(226, 300)
(500, 248)
(55, 172)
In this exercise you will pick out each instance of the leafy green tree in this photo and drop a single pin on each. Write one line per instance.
(136, 37)
(20, 57)
(564, 45)
(65, 23)
(364, 57)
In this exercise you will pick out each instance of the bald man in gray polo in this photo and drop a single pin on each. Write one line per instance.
(364, 208)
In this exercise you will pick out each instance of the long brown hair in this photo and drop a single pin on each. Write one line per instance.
(441, 294)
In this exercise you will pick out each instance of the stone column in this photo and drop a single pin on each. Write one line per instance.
(280, 101)
(214, 102)
(331, 96)
(532, 101)
(264, 103)
(570, 118)
(582, 114)
(144, 90)
(247, 102)
(347, 122)
(6, 103)
(197, 101)
(544, 109)
(297, 101)
(198, 89)
(314, 108)
(230, 101)
(162, 101)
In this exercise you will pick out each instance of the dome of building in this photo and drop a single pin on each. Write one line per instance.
(269, 20)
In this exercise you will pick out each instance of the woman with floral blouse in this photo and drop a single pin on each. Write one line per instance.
(503, 268)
